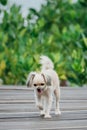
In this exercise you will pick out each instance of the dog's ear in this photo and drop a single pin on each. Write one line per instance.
(47, 79)
(30, 79)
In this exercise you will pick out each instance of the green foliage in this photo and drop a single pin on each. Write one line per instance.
(3, 2)
(58, 30)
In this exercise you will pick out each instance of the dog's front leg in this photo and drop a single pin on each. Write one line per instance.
(38, 100)
(48, 105)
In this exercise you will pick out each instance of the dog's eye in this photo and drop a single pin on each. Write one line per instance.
(35, 85)
(42, 84)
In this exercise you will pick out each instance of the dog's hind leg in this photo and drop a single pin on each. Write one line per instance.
(57, 95)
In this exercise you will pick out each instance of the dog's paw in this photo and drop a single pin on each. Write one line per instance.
(42, 113)
(57, 112)
(47, 116)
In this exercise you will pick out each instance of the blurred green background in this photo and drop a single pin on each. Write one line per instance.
(58, 30)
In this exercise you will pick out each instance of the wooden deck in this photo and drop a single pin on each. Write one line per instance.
(18, 110)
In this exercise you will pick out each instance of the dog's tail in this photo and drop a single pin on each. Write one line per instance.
(46, 63)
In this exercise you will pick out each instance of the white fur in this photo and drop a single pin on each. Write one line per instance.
(47, 83)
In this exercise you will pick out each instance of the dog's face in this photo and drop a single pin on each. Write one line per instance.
(39, 81)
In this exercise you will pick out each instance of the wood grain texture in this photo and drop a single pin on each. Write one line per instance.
(18, 110)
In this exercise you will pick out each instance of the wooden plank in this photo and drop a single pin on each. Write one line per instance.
(68, 115)
(21, 107)
(29, 94)
(43, 125)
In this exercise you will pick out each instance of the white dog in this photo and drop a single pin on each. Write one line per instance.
(45, 84)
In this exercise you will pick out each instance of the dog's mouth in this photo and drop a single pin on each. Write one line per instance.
(39, 90)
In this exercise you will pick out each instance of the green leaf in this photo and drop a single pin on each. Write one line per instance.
(84, 39)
